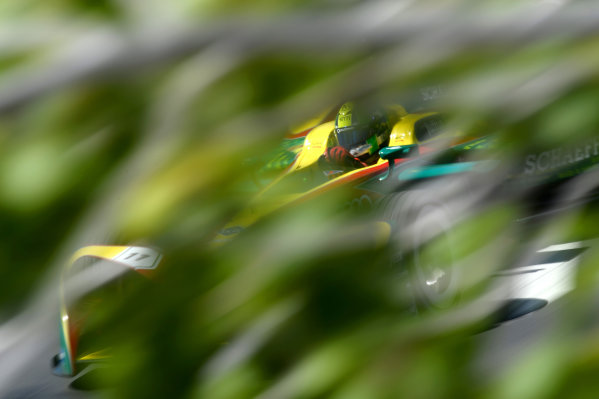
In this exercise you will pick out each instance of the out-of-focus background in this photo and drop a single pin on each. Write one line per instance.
(149, 123)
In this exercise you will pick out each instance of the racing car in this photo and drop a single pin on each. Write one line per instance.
(109, 267)
(412, 135)
(412, 189)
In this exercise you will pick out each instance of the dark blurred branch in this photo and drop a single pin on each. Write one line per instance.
(107, 52)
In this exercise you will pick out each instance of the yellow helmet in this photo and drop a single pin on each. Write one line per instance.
(361, 130)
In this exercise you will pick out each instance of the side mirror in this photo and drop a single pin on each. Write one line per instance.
(397, 152)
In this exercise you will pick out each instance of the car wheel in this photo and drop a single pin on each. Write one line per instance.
(422, 248)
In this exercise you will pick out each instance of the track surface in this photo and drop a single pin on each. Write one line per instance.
(36, 380)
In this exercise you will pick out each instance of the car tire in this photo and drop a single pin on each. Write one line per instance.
(422, 248)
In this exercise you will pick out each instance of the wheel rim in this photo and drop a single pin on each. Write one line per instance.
(436, 279)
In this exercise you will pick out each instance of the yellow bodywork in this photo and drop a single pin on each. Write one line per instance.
(98, 251)
(402, 132)
(104, 252)
(95, 356)
(314, 146)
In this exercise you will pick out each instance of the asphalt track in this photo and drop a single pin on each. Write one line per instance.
(37, 381)
(539, 303)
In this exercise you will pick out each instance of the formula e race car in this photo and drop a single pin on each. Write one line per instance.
(429, 178)
(412, 136)
(104, 270)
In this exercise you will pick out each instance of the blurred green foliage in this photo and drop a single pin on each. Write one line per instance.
(151, 150)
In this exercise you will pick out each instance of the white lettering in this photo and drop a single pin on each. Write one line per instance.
(567, 158)
(560, 157)
(556, 157)
(530, 164)
(543, 166)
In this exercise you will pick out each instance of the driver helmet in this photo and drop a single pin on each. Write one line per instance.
(361, 131)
